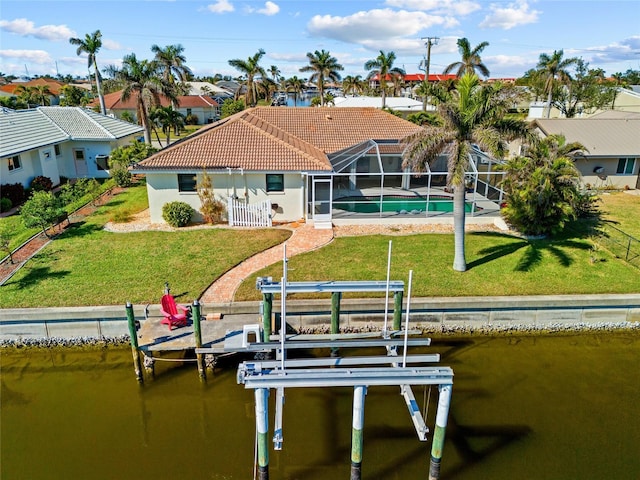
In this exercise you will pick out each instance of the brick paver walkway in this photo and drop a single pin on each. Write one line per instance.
(304, 239)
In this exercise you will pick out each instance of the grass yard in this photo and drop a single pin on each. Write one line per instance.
(623, 211)
(497, 265)
(89, 266)
(17, 231)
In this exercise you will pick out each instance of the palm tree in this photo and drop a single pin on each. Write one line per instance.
(42, 94)
(471, 61)
(167, 119)
(91, 45)
(555, 70)
(295, 85)
(382, 67)
(352, 84)
(172, 61)
(542, 186)
(474, 114)
(324, 67)
(140, 79)
(251, 69)
(26, 94)
(275, 73)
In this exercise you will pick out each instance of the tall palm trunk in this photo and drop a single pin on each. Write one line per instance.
(144, 121)
(549, 103)
(459, 261)
(103, 107)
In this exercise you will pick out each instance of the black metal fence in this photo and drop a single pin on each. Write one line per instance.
(621, 244)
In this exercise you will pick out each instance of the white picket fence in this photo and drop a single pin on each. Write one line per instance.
(245, 215)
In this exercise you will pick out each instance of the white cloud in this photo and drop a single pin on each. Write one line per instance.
(269, 9)
(514, 14)
(112, 45)
(374, 26)
(624, 50)
(289, 57)
(444, 7)
(30, 56)
(26, 28)
(514, 65)
(221, 6)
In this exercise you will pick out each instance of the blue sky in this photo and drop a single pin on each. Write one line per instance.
(36, 34)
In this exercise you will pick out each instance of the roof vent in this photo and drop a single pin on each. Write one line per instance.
(327, 116)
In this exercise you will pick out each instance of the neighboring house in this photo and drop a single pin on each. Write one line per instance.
(207, 88)
(59, 141)
(626, 100)
(403, 104)
(296, 158)
(205, 108)
(612, 140)
(54, 86)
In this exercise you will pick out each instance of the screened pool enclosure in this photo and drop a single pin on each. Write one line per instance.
(368, 181)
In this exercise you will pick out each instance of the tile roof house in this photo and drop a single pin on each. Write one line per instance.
(203, 107)
(612, 140)
(284, 155)
(58, 141)
(54, 86)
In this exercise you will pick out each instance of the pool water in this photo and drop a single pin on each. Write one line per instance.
(398, 204)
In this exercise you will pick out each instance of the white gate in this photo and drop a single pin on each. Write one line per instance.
(244, 215)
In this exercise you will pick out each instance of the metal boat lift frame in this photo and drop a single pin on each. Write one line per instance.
(357, 372)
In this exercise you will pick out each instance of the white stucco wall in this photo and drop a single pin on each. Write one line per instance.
(29, 167)
(163, 188)
(66, 163)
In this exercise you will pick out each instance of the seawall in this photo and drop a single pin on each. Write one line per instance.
(443, 314)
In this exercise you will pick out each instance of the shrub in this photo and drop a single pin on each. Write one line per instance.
(41, 184)
(191, 119)
(121, 176)
(212, 209)
(177, 214)
(14, 192)
(41, 210)
(5, 204)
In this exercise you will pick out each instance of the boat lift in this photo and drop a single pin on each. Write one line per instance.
(358, 372)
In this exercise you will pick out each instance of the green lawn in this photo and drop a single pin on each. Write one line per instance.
(89, 266)
(497, 265)
(20, 234)
(623, 211)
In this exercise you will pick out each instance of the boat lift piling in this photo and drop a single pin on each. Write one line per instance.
(133, 334)
(197, 333)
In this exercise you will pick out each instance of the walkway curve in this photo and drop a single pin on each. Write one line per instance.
(305, 238)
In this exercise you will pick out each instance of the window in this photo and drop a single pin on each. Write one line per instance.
(14, 163)
(186, 182)
(56, 148)
(78, 155)
(275, 182)
(625, 166)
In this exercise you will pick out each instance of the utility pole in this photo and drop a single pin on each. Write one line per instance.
(429, 41)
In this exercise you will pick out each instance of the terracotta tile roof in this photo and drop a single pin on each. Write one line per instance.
(113, 101)
(279, 139)
(54, 86)
(334, 129)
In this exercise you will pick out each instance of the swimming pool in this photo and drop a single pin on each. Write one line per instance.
(398, 204)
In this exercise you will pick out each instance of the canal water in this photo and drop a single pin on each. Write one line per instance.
(540, 407)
